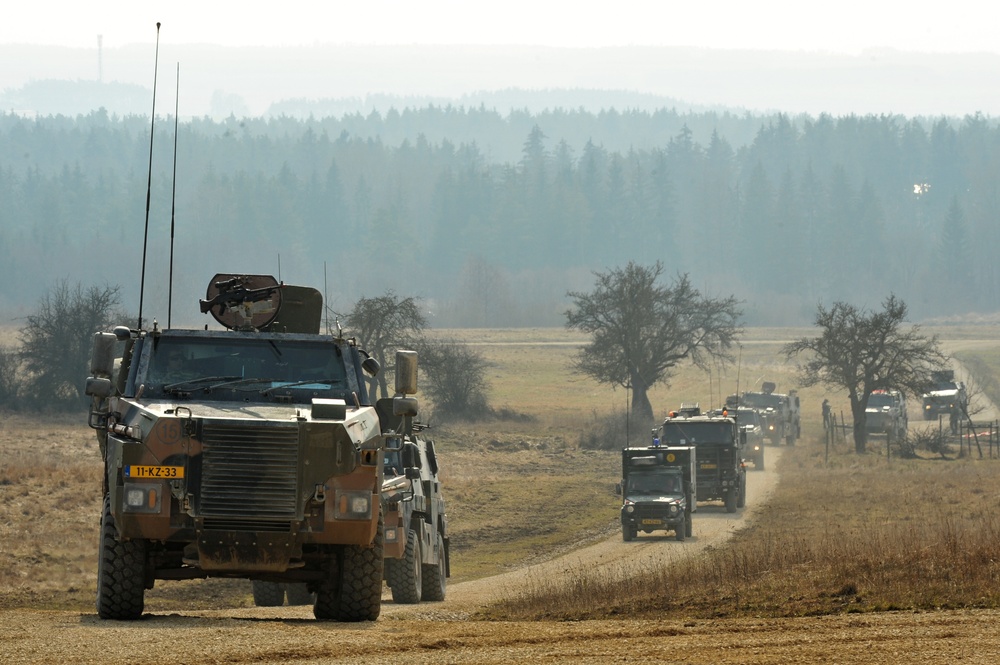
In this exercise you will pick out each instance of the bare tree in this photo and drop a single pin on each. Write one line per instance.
(455, 379)
(383, 325)
(641, 330)
(862, 351)
(55, 343)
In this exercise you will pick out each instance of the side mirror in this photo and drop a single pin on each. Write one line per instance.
(406, 372)
(370, 366)
(102, 354)
(99, 386)
(412, 473)
(404, 406)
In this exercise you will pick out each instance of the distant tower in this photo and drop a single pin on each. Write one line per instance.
(100, 59)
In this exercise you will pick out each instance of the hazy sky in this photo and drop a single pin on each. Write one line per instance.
(837, 26)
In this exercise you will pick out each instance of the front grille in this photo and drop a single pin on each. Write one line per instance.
(249, 476)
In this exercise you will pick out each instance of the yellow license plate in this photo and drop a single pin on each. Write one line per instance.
(648, 521)
(709, 466)
(168, 472)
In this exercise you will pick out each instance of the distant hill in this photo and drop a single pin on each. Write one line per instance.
(219, 81)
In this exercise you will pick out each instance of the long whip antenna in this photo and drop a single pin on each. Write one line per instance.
(173, 200)
(149, 179)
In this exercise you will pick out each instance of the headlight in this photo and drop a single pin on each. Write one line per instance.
(353, 505)
(630, 508)
(673, 509)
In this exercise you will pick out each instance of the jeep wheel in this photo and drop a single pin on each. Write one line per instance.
(298, 594)
(628, 533)
(688, 526)
(435, 574)
(268, 594)
(679, 532)
(404, 575)
(355, 592)
(121, 572)
(730, 500)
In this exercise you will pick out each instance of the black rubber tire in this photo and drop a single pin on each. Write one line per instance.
(298, 594)
(688, 526)
(741, 498)
(627, 534)
(730, 500)
(404, 576)
(679, 532)
(267, 594)
(121, 572)
(435, 574)
(353, 591)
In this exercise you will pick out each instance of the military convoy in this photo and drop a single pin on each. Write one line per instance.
(252, 452)
(780, 412)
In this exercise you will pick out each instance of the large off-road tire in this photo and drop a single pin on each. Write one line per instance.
(298, 594)
(790, 439)
(353, 590)
(679, 532)
(730, 500)
(436, 574)
(741, 498)
(688, 526)
(628, 533)
(121, 572)
(404, 576)
(267, 594)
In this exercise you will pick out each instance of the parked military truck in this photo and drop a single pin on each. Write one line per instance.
(416, 550)
(779, 412)
(719, 448)
(886, 414)
(247, 452)
(658, 490)
(945, 395)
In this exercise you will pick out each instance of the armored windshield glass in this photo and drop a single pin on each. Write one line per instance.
(251, 366)
(880, 399)
(761, 400)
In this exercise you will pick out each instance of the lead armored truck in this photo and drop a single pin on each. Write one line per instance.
(248, 452)
(658, 490)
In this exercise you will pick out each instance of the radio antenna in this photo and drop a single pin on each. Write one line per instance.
(173, 200)
(149, 179)
(326, 301)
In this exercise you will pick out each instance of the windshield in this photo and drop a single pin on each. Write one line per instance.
(685, 433)
(880, 400)
(654, 483)
(255, 367)
(761, 400)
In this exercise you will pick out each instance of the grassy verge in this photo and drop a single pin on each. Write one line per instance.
(861, 534)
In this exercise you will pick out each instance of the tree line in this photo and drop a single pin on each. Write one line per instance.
(797, 211)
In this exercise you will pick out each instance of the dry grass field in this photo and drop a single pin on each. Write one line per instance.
(852, 534)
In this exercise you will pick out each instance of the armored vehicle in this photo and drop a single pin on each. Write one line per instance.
(886, 414)
(779, 412)
(719, 445)
(416, 525)
(251, 452)
(945, 395)
(752, 430)
(658, 490)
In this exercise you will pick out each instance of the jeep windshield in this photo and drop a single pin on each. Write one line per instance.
(245, 368)
(680, 433)
(662, 482)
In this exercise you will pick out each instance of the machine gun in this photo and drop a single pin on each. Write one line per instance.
(243, 302)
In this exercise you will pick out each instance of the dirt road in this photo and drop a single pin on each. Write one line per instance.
(443, 633)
